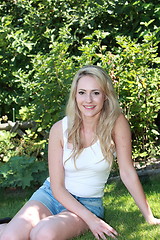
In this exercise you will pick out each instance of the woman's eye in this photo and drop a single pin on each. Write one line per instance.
(96, 93)
(81, 92)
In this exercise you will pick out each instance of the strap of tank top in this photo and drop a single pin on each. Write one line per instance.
(64, 126)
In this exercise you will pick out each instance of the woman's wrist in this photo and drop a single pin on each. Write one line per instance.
(88, 216)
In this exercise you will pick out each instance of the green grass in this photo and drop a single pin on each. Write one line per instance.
(120, 209)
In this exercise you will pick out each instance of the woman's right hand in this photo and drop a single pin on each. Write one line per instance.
(100, 228)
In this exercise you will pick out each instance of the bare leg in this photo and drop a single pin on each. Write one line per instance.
(2, 227)
(20, 226)
(65, 225)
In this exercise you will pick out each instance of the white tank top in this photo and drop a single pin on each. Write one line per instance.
(91, 173)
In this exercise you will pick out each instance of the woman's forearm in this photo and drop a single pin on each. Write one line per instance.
(97, 226)
(70, 203)
(134, 186)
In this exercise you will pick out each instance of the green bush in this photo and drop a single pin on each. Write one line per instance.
(23, 161)
(23, 171)
(138, 76)
(43, 43)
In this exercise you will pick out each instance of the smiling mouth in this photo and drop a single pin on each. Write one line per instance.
(89, 107)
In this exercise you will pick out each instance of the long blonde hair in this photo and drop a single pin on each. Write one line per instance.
(109, 113)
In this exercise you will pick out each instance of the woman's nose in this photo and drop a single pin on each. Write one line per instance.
(88, 98)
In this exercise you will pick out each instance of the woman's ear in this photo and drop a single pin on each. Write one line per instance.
(105, 98)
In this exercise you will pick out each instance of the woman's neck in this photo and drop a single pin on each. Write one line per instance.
(88, 132)
(89, 124)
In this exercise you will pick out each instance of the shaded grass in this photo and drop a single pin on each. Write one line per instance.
(120, 209)
(11, 200)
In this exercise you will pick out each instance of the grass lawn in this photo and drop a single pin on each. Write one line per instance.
(120, 209)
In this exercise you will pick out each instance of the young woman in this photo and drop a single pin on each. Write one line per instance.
(81, 149)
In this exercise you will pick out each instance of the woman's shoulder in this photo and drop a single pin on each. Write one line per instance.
(121, 119)
(121, 125)
(56, 125)
(58, 128)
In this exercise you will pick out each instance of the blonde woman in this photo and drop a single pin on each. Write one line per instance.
(81, 149)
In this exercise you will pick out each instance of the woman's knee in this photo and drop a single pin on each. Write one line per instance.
(8, 236)
(39, 233)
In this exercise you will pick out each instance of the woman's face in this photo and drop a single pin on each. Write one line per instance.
(89, 97)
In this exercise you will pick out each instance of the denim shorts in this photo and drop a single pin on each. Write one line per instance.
(45, 196)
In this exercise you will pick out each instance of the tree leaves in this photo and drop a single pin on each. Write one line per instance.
(43, 43)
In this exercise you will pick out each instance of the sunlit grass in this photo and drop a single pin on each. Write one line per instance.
(122, 213)
(120, 209)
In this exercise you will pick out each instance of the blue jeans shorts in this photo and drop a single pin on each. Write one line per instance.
(45, 196)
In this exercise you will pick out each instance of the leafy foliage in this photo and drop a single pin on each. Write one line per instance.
(23, 161)
(44, 42)
(22, 171)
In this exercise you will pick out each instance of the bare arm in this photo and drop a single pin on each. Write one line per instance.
(56, 172)
(128, 174)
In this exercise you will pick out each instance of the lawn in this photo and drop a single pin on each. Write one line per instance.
(120, 209)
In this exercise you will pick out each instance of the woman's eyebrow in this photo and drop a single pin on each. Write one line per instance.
(86, 89)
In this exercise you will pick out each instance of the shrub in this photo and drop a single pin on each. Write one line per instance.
(23, 161)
